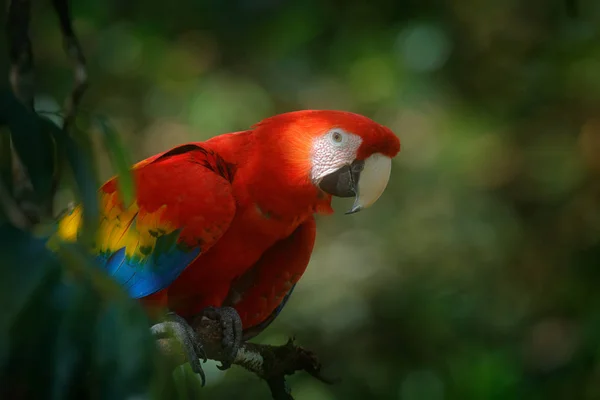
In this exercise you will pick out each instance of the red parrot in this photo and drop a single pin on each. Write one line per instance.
(227, 226)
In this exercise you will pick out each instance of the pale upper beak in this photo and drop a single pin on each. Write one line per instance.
(365, 180)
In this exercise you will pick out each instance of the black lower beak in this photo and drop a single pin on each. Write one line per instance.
(344, 181)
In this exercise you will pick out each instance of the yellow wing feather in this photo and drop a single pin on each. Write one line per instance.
(136, 230)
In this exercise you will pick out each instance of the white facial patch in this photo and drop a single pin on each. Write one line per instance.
(332, 151)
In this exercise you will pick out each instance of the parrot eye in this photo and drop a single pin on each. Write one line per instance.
(337, 137)
(334, 149)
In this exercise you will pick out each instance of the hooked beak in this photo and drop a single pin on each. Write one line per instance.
(364, 179)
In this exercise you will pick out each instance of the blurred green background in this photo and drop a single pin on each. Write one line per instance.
(476, 274)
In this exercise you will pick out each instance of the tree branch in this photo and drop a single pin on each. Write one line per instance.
(75, 53)
(271, 363)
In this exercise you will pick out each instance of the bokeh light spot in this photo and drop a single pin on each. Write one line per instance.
(424, 47)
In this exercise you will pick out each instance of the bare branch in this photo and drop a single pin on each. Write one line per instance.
(271, 363)
(75, 53)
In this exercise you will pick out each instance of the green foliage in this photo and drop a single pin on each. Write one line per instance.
(67, 331)
(33, 140)
(120, 159)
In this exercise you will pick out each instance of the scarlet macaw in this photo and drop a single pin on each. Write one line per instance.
(226, 226)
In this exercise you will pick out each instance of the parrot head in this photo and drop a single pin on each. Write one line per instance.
(353, 158)
(343, 154)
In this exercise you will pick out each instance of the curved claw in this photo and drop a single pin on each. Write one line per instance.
(195, 340)
(179, 328)
(231, 324)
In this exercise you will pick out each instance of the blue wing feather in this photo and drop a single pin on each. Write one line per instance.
(154, 274)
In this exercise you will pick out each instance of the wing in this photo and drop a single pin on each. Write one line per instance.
(184, 204)
(262, 292)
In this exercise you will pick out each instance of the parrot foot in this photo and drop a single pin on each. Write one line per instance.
(176, 326)
(231, 324)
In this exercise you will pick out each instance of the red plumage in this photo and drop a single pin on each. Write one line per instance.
(264, 203)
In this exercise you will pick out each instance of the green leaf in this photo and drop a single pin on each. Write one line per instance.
(122, 350)
(74, 329)
(27, 277)
(66, 326)
(24, 269)
(85, 177)
(120, 159)
(79, 262)
(33, 142)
